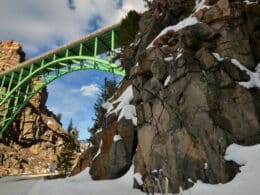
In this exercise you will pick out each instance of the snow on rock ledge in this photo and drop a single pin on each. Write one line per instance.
(126, 110)
(99, 150)
(117, 138)
(182, 24)
(254, 76)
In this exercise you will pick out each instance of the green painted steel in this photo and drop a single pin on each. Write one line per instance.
(20, 84)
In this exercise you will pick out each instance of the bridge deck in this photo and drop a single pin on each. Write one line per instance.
(103, 35)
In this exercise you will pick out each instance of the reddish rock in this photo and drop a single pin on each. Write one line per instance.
(84, 160)
(163, 40)
(99, 168)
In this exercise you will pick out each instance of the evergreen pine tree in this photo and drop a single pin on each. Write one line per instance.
(59, 116)
(75, 135)
(129, 28)
(67, 155)
(70, 127)
(69, 150)
(107, 90)
(148, 3)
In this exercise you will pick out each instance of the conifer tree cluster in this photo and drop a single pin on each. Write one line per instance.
(129, 28)
(148, 3)
(69, 150)
(107, 90)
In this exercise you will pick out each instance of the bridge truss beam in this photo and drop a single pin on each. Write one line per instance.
(20, 84)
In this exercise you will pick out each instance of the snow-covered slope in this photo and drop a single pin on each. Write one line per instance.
(245, 182)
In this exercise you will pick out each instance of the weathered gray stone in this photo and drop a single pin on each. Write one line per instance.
(235, 73)
(206, 59)
(153, 86)
(159, 69)
(146, 95)
(119, 159)
(160, 116)
(146, 135)
(147, 111)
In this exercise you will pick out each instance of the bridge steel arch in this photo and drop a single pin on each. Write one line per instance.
(18, 85)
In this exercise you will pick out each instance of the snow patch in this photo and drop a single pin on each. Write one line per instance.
(108, 106)
(245, 182)
(128, 112)
(168, 59)
(138, 177)
(180, 190)
(190, 180)
(179, 54)
(218, 57)
(124, 99)
(254, 76)
(118, 50)
(250, 2)
(137, 42)
(99, 131)
(80, 184)
(89, 145)
(200, 4)
(99, 149)
(182, 24)
(155, 171)
(117, 138)
(167, 80)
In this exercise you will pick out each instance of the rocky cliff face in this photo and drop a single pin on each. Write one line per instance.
(190, 102)
(33, 140)
(196, 91)
(115, 143)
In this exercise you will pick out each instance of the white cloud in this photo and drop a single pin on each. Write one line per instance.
(89, 90)
(43, 25)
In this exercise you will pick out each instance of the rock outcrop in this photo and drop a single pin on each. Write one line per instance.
(190, 104)
(116, 154)
(114, 144)
(196, 91)
(34, 139)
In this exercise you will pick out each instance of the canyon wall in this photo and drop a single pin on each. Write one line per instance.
(34, 139)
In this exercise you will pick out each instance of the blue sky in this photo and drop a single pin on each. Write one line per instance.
(44, 25)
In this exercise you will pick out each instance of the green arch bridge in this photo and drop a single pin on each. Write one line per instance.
(19, 84)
